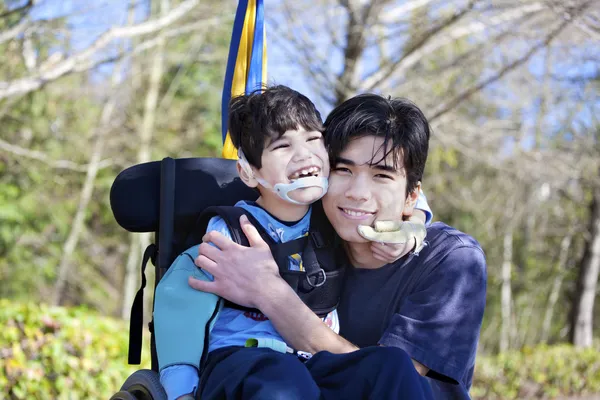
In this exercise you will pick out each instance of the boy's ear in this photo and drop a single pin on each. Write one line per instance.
(411, 201)
(246, 177)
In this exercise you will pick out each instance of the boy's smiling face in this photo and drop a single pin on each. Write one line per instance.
(364, 187)
(296, 154)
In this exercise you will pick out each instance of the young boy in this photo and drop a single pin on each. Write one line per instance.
(278, 134)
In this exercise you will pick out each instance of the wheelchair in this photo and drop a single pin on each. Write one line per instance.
(166, 197)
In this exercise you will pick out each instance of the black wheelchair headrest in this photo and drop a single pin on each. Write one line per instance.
(199, 183)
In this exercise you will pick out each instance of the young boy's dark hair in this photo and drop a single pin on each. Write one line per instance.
(399, 121)
(259, 118)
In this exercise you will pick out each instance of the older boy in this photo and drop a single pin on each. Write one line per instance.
(429, 305)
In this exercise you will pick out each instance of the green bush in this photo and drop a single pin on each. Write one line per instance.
(539, 372)
(58, 353)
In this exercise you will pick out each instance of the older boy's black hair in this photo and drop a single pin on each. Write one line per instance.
(399, 121)
(261, 117)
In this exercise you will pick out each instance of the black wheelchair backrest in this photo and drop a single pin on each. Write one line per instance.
(167, 197)
(141, 193)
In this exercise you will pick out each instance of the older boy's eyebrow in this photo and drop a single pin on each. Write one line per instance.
(342, 160)
(387, 168)
(381, 167)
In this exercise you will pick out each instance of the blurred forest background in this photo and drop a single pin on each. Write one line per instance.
(511, 87)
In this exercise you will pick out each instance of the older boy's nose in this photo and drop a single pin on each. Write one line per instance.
(358, 190)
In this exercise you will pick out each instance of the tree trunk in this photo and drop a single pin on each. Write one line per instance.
(521, 330)
(555, 291)
(506, 294)
(64, 268)
(359, 18)
(583, 302)
(140, 241)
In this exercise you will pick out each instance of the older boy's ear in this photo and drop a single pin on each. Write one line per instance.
(245, 176)
(411, 200)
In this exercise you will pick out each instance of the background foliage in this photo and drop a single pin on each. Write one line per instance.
(88, 89)
(75, 353)
(59, 353)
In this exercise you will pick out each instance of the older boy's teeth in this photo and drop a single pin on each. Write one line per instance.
(354, 213)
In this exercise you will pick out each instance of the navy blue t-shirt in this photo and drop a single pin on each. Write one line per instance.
(430, 305)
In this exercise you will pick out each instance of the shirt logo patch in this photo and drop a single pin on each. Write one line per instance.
(276, 233)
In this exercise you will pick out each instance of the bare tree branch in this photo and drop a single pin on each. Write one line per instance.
(15, 31)
(458, 61)
(402, 10)
(429, 46)
(152, 43)
(40, 156)
(444, 108)
(385, 71)
(564, 11)
(194, 53)
(19, 10)
(69, 65)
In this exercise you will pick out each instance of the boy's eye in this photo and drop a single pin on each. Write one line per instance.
(280, 146)
(314, 138)
(384, 176)
(342, 170)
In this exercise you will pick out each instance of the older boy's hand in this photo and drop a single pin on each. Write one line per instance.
(244, 275)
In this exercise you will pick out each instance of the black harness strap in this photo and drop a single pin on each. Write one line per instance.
(319, 285)
(280, 251)
(136, 320)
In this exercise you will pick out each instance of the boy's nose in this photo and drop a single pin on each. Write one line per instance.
(302, 153)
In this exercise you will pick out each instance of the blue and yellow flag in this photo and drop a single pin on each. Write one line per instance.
(247, 61)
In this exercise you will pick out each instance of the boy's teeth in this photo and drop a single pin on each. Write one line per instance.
(308, 171)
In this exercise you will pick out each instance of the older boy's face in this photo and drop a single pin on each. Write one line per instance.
(361, 192)
(298, 153)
